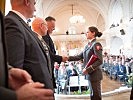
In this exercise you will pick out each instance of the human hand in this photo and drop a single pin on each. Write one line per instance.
(34, 91)
(64, 58)
(18, 77)
(85, 72)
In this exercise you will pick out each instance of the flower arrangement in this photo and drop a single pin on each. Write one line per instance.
(81, 93)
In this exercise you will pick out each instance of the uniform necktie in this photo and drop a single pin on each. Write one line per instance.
(48, 55)
(89, 44)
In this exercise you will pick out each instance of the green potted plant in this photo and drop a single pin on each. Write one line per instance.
(130, 80)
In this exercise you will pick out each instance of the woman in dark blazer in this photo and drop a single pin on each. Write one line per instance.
(93, 72)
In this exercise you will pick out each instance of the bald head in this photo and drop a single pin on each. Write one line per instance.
(15, 3)
(39, 26)
(25, 7)
(36, 23)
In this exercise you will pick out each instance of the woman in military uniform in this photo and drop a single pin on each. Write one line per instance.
(93, 72)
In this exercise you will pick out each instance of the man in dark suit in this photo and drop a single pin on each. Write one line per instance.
(51, 26)
(25, 50)
(18, 79)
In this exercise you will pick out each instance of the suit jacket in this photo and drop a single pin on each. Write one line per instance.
(54, 58)
(26, 51)
(49, 41)
(94, 75)
(5, 93)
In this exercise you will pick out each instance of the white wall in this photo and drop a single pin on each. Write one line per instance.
(7, 7)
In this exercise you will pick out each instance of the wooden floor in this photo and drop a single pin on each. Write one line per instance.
(108, 84)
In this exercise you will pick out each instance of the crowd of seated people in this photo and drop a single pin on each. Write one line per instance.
(118, 67)
(66, 70)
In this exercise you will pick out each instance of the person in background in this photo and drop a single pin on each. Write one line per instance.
(79, 66)
(51, 26)
(62, 72)
(23, 87)
(121, 74)
(24, 48)
(56, 67)
(131, 64)
(93, 72)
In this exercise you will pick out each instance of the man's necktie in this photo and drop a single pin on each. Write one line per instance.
(48, 55)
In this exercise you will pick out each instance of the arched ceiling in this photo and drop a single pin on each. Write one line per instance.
(94, 11)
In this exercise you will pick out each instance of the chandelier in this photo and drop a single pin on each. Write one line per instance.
(77, 18)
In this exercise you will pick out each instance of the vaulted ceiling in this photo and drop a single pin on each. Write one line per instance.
(94, 11)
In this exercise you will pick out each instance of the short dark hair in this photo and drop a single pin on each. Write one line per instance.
(50, 18)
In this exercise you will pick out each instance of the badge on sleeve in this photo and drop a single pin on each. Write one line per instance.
(98, 47)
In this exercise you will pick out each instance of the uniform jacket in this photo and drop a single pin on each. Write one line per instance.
(5, 93)
(94, 75)
(26, 51)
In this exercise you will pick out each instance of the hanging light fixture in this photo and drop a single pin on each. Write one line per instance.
(77, 18)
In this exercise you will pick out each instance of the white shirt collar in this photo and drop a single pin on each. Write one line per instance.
(91, 40)
(20, 15)
(39, 36)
